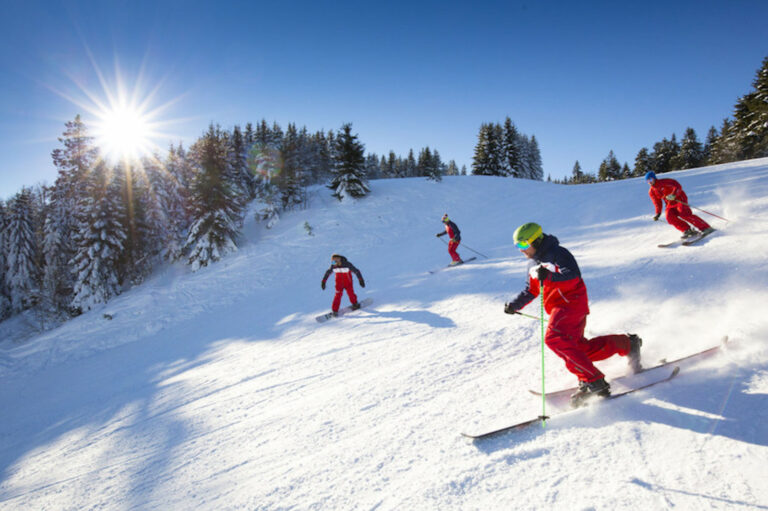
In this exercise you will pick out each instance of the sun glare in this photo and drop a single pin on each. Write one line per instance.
(123, 133)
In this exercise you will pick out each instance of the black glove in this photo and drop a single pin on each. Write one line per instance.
(508, 309)
(440, 234)
(656, 217)
(542, 273)
(362, 283)
(322, 284)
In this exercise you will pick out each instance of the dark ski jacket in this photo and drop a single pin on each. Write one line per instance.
(563, 289)
(452, 230)
(342, 272)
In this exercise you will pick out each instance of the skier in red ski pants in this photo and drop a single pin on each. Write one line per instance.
(343, 270)
(565, 300)
(679, 215)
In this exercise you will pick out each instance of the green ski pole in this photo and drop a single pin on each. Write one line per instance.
(543, 393)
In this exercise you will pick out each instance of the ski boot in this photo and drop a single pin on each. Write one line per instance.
(688, 233)
(355, 306)
(588, 390)
(635, 342)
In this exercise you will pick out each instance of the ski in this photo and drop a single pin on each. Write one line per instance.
(537, 420)
(663, 362)
(453, 265)
(344, 310)
(671, 245)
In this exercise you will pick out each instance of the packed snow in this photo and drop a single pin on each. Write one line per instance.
(218, 389)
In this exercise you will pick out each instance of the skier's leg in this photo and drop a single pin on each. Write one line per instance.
(687, 215)
(673, 217)
(452, 246)
(564, 336)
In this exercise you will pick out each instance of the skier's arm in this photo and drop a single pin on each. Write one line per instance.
(525, 297)
(357, 272)
(656, 201)
(325, 277)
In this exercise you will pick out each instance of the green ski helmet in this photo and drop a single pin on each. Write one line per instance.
(527, 234)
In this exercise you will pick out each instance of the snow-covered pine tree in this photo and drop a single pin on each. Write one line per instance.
(58, 248)
(22, 270)
(750, 126)
(349, 178)
(173, 197)
(100, 242)
(290, 179)
(216, 211)
(577, 176)
(5, 303)
(238, 162)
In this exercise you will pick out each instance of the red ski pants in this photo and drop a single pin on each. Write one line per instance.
(678, 214)
(565, 336)
(452, 246)
(341, 286)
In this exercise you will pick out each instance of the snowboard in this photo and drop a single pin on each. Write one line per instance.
(344, 310)
(663, 362)
(453, 265)
(537, 420)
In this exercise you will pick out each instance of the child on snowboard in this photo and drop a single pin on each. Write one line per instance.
(343, 270)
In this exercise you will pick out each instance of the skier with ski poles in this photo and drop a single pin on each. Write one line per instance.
(455, 239)
(342, 270)
(565, 300)
(679, 213)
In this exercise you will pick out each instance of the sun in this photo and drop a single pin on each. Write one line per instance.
(123, 132)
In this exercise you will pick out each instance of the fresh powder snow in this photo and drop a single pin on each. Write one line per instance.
(218, 390)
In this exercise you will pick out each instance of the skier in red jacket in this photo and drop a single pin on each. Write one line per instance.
(452, 230)
(679, 214)
(566, 302)
(343, 269)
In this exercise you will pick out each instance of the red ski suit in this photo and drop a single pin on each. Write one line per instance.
(455, 239)
(678, 212)
(343, 273)
(566, 302)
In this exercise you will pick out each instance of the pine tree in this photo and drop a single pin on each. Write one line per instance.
(643, 163)
(726, 148)
(217, 212)
(691, 153)
(577, 176)
(349, 178)
(535, 165)
(610, 169)
(750, 126)
(290, 179)
(511, 149)
(711, 141)
(487, 160)
(5, 303)
(101, 241)
(22, 270)
(663, 154)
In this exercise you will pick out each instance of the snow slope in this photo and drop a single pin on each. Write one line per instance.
(218, 390)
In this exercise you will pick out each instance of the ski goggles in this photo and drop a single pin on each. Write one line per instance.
(522, 245)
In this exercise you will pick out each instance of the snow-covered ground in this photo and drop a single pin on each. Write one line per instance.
(219, 390)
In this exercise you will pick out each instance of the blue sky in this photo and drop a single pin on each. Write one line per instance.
(583, 77)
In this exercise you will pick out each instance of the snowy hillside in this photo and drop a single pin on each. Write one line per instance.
(219, 390)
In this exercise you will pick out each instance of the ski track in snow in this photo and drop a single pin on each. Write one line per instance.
(219, 390)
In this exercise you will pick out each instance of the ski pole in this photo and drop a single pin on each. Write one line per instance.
(543, 393)
(703, 211)
(476, 252)
(468, 248)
